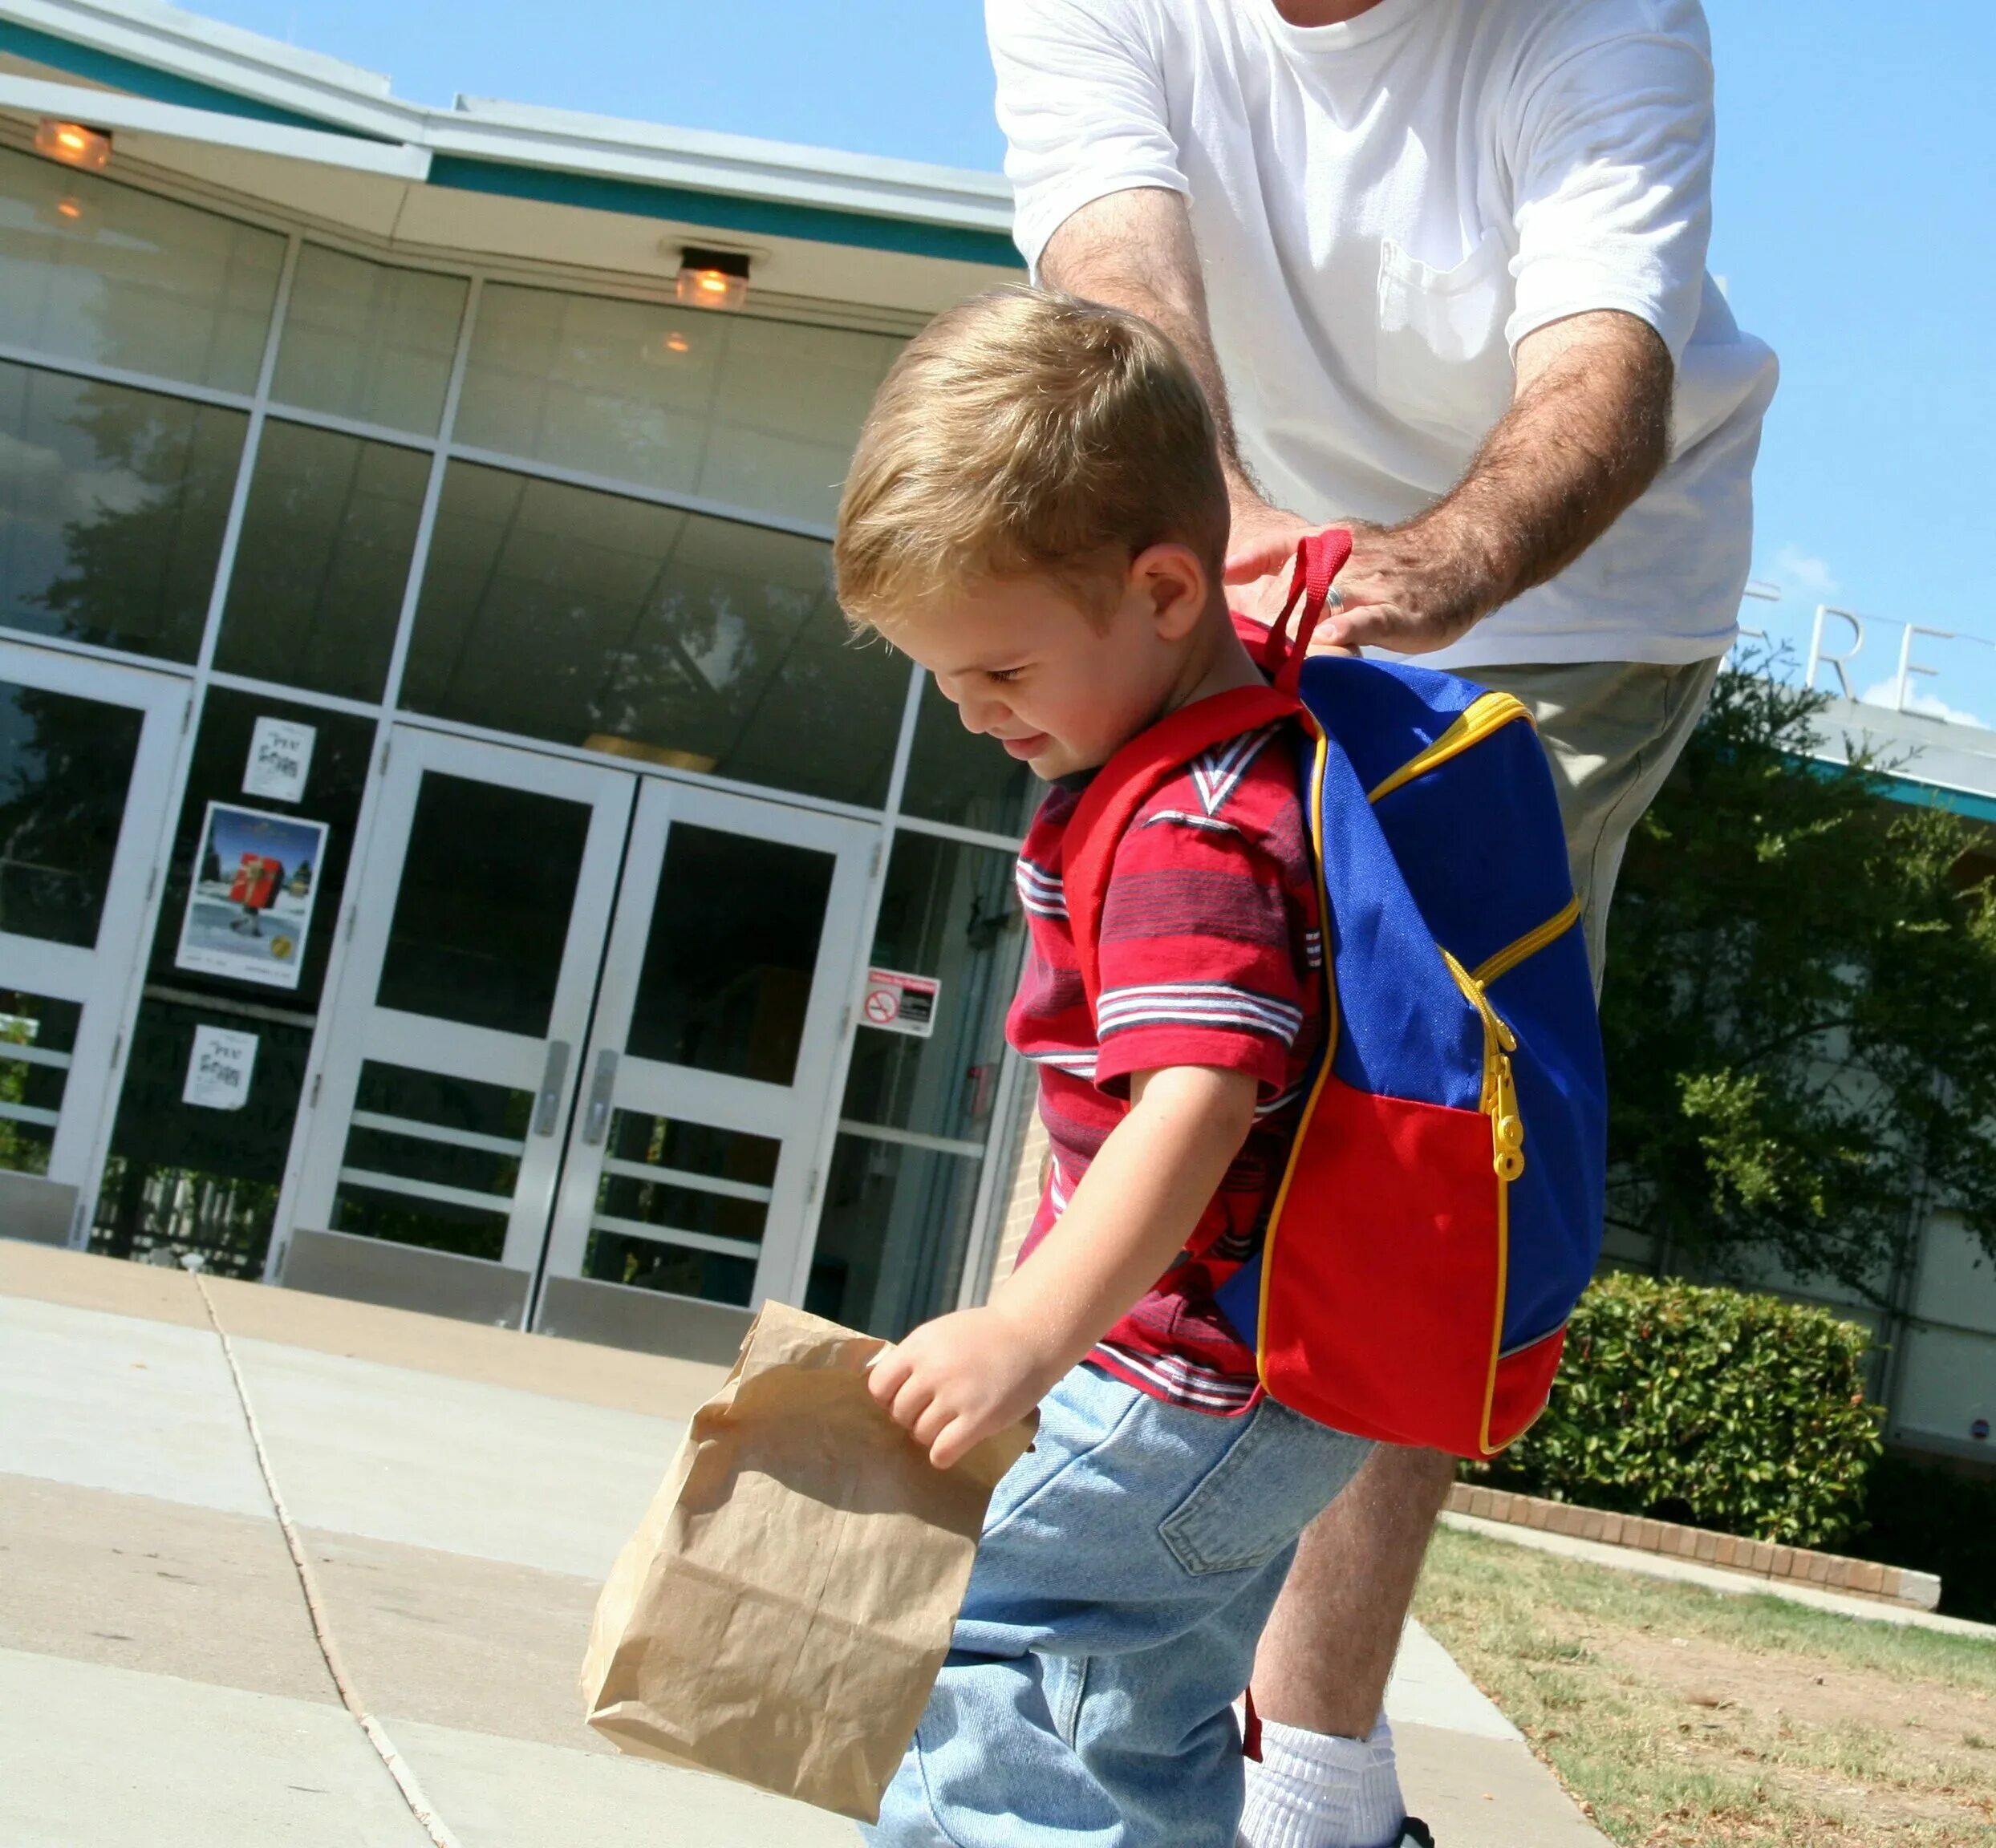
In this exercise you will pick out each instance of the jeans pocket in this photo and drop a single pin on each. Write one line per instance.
(1277, 1475)
(1083, 1414)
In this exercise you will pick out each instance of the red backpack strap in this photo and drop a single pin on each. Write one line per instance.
(1319, 558)
(1127, 780)
(1122, 786)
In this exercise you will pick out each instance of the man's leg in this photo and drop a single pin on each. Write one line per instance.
(1612, 732)
(1327, 1773)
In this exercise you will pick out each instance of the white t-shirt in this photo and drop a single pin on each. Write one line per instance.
(1384, 209)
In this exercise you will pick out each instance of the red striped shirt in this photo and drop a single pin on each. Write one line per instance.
(1212, 954)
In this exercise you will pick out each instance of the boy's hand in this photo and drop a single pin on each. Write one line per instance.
(958, 1380)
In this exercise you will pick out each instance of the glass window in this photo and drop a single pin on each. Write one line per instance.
(367, 341)
(112, 503)
(596, 620)
(37, 1041)
(949, 911)
(956, 776)
(184, 1178)
(480, 921)
(431, 1160)
(92, 270)
(733, 946)
(892, 1237)
(897, 1222)
(323, 560)
(753, 413)
(65, 770)
(681, 1208)
(342, 747)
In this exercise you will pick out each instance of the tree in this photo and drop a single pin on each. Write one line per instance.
(1800, 1009)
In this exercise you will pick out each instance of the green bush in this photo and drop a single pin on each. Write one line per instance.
(1739, 1412)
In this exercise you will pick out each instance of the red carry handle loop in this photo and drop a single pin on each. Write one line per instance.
(1126, 781)
(1319, 558)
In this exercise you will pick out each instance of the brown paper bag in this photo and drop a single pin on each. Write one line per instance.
(781, 1614)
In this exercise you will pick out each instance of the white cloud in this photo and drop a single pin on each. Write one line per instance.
(1798, 570)
(1927, 705)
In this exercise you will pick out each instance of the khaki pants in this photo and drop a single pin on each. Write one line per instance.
(1611, 730)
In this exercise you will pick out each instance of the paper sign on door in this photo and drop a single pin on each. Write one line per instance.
(896, 1003)
(280, 760)
(218, 1069)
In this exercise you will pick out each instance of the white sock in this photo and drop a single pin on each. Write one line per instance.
(1315, 1790)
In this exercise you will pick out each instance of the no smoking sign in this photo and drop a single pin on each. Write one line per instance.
(899, 1003)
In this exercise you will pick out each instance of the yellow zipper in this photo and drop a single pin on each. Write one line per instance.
(1533, 941)
(1499, 1101)
(1476, 721)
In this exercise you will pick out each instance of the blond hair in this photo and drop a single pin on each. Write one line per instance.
(1024, 433)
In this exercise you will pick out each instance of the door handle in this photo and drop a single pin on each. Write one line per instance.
(596, 1119)
(548, 1103)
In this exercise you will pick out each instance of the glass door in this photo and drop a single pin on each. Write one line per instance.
(443, 1092)
(697, 1152)
(85, 767)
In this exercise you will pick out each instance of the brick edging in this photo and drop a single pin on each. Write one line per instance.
(1797, 1565)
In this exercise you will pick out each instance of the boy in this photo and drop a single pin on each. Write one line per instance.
(1035, 514)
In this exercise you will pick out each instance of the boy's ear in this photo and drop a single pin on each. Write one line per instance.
(1174, 583)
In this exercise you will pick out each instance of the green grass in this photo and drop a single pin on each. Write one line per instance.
(1684, 1719)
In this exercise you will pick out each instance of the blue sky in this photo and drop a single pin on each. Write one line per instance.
(1856, 230)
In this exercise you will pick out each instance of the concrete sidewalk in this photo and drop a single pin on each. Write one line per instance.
(461, 1492)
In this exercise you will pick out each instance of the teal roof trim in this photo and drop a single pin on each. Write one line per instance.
(1920, 795)
(136, 79)
(1890, 786)
(727, 212)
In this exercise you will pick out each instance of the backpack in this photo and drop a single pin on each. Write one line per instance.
(1441, 1210)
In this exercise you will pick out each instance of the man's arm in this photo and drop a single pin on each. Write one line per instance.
(957, 1379)
(1588, 429)
(1135, 250)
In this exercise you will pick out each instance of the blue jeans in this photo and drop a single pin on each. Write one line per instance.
(1128, 1563)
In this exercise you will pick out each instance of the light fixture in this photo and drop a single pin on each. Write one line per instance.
(73, 144)
(713, 279)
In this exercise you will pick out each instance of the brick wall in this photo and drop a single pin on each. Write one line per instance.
(1022, 1190)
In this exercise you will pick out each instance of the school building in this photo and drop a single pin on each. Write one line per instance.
(451, 851)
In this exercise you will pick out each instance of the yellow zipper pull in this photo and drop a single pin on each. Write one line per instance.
(1500, 1089)
(1507, 1127)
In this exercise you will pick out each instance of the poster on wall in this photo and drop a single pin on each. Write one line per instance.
(218, 1069)
(280, 760)
(898, 1002)
(249, 904)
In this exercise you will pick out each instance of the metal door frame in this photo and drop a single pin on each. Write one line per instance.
(354, 1028)
(802, 1114)
(106, 978)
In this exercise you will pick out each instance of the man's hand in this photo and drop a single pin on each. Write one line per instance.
(960, 1379)
(1408, 588)
(1261, 547)
(1390, 592)
(1586, 433)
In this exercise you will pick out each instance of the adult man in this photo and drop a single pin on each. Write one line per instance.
(1440, 266)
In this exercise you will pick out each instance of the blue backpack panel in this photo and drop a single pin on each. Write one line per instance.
(1441, 1211)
